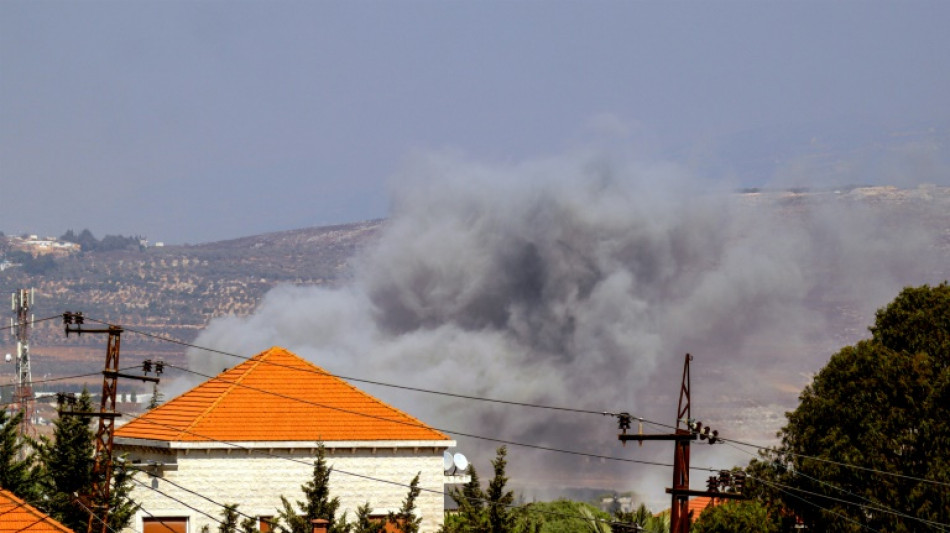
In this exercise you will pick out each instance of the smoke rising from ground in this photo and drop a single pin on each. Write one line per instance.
(582, 281)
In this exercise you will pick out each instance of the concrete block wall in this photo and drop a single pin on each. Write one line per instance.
(255, 479)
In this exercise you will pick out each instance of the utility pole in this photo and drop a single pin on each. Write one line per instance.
(98, 499)
(679, 511)
(22, 302)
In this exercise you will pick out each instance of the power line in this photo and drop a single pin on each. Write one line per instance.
(780, 488)
(34, 321)
(526, 507)
(483, 399)
(381, 383)
(872, 505)
(77, 376)
(146, 485)
(839, 463)
(420, 425)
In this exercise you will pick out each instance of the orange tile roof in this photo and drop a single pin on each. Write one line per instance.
(19, 516)
(276, 396)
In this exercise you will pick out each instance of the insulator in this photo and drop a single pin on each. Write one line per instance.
(712, 484)
(623, 421)
(79, 318)
(147, 366)
(738, 482)
(68, 317)
(693, 425)
(715, 437)
(725, 477)
(705, 433)
(159, 367)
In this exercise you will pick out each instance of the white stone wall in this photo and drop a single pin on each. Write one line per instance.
(255, 479)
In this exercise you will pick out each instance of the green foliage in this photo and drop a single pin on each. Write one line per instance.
(643, 518)
(229, 519)
(568, 516)
(88, 243)
(500, 517)
(406, 520)
(736, 517)
(883, 406)
(249, 525)
(121, 507)
(66, 466)
(488, 511)
(64, 474)
(471, 506)
(365, 524)
(16, 467)
(318, 503)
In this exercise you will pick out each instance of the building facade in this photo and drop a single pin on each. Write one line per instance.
(251, 435)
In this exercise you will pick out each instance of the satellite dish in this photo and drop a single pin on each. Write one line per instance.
(9, 358)
(447, 461)
(460, 461)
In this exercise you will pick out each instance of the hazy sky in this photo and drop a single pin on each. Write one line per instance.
(199, 121)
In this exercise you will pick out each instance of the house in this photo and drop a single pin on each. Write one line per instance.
(17, 516)
(251, 434)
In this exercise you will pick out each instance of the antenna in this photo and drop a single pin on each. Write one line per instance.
(21, 301)
(447, 462)
(460, 461)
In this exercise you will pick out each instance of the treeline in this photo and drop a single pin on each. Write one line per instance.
(89, 243)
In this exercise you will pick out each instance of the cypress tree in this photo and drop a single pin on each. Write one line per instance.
(16, 467)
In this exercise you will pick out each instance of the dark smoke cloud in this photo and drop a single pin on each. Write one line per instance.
(582, 281)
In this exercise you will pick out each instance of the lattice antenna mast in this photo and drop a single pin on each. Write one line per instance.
(21, 303)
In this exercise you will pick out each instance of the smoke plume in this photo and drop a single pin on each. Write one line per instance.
(582, 281)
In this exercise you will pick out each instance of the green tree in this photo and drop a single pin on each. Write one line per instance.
(470, 499)
(66, 463)
(64, 474)
(500, 517)
(643, 518)
(565, 516)
(737, 517)
(872, 431)
(406, 520)
(365, 524)
(318, 502)
(121, 506)
(16, 466)
(229, 519)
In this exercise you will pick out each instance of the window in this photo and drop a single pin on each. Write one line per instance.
(164, 524)
(265, 523)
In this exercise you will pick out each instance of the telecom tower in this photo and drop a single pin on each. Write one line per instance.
(22, 301)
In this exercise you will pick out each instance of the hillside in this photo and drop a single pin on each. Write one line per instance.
(173, 290)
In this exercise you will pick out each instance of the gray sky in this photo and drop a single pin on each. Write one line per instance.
(198, 121)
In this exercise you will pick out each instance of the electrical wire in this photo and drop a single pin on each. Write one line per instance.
(492, 400)
(94, 515)
(839, 463)
(65, 378)
(526, 507)
(34, 321)
(871, 505)
(146, 485)
(813, 504)
(420, 425)
(380, 383)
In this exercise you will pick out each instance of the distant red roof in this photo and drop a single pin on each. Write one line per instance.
(276, 396)
(18, 516)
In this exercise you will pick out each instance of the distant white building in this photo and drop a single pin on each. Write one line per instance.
(251, 434)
